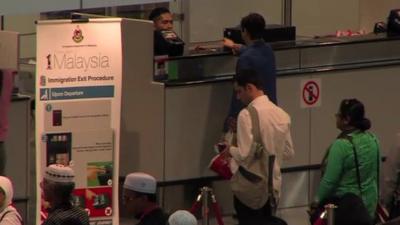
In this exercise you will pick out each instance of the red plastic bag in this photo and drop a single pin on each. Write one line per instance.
(220, 165)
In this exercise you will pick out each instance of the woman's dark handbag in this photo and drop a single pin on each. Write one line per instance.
(350, 211)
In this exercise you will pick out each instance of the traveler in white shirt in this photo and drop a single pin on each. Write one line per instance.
(274, 133)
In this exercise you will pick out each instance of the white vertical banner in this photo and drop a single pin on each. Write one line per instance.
(78, 108)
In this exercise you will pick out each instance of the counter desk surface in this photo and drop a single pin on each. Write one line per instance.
(292, 57)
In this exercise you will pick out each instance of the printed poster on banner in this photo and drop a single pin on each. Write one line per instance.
(310, 93)
(78, 104)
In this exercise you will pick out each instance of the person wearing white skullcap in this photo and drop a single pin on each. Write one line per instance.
(140, 200)
(57, 185)
(182, 217)
(8, 214)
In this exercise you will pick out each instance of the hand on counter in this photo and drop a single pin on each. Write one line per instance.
(232, 45)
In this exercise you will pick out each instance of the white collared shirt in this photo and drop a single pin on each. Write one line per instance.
(274, 133)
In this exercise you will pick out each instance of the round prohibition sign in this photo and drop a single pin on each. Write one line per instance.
(108, 211)
(310, 93)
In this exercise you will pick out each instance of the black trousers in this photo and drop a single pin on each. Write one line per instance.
(249, 216)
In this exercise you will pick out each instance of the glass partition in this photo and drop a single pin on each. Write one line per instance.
(194, 67)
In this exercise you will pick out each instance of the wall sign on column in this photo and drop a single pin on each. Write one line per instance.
(310, 93)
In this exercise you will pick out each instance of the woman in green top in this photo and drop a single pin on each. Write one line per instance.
(340, 174)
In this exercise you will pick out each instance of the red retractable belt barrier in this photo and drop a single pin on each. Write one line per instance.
(196, 205)
(215, 206)
(217, 211)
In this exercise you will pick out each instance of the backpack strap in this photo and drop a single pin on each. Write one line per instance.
(4, 215)
(9, 211)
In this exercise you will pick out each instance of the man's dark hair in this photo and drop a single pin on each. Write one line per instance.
(248, 76)
(155, 13)
(150, 197)
(254, 24)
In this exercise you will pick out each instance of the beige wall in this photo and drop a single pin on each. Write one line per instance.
(322, 17)
(25, 25)
(207, 18)
(372, 11)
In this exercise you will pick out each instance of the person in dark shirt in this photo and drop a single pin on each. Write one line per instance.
(140, 200)
(166, 41)
(58, 184)
(162, 18)
(256, 55)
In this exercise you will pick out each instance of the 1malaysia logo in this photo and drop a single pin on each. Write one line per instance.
(48, 58)
(78, 35)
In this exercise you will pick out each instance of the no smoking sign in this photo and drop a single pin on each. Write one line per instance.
(310, 93)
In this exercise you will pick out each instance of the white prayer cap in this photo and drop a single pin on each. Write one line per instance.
(59, 173)
(7, 187)
(182, 217)
(141, 182)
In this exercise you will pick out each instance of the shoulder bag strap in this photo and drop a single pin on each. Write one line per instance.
(350, 138)
(255, 124)
(271, 158)
(254, 153)
(378, 160)
(255, 130)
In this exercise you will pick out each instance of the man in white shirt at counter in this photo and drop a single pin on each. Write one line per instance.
(274, 124)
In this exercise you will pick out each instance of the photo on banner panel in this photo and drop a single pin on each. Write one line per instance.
(96, 201)
(58, 148)
(73, 115)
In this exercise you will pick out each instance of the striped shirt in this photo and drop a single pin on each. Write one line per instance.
(64, 215)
